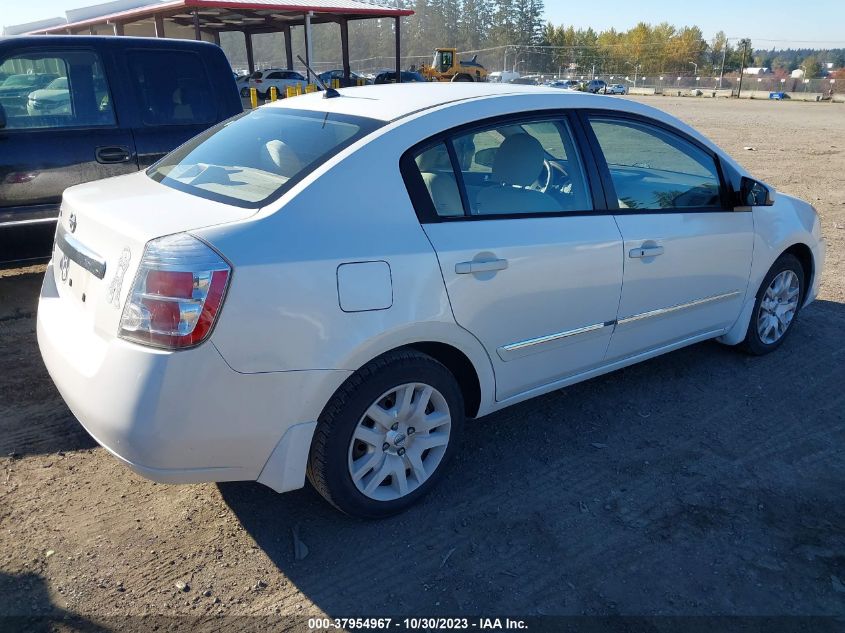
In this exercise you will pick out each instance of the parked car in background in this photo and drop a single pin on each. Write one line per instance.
(243, 319)
(103, 106)
(330, 75)
(389, 77)
(596, 86)
(15, 90)
(524, 81)
(242, 83)
(566, 84)
(280, 78)
(616, 89)
(499, 77)
(54, 98)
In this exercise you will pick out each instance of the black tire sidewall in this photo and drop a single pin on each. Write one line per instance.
(753, 343)
(344, 494)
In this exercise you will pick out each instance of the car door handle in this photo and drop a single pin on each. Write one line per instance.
(466, 268)
(645, 251)
(112, 154)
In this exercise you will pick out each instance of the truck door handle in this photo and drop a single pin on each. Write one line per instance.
(113, 154)
(465, 268)
(645, 251)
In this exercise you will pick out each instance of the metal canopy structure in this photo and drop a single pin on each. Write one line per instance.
(206, 19)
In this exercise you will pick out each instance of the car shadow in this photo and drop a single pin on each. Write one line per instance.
(625, 494)
(26, 605)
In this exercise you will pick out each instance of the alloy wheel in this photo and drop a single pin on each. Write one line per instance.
(778, 307)
(399, 441)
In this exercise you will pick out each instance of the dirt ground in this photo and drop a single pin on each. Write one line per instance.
(702, 482)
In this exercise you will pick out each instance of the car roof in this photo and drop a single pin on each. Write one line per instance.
(388, 102)
(100, 41)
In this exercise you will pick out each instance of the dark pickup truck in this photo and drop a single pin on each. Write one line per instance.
(78, 108)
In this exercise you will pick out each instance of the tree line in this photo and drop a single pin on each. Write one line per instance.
(515, 32)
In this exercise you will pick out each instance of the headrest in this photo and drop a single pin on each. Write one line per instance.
(518, 160)
(284, 158)
(434, 159)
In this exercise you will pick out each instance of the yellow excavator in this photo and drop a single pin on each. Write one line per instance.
(446, 67)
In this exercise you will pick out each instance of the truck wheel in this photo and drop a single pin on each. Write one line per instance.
(462, 77)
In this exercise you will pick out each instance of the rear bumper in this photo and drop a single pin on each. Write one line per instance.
(178, 417)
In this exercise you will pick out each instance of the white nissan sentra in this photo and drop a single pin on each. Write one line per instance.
(330, 286)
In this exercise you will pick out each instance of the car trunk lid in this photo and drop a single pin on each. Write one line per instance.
(102, 231)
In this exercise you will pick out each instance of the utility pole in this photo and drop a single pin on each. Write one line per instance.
(745, 42)
(722, 69)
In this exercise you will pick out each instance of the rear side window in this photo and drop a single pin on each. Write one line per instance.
(505, 169)
(172, 87)
(55, 89)
(253, 159)
(655, 169)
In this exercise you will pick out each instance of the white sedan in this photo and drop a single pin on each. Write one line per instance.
(237, 313)
(616, 89)
(279, 78)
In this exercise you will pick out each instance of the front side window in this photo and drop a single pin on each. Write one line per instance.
(654, 169)
(172, 87)
(253, 159)
(515, 168)
(55, 90)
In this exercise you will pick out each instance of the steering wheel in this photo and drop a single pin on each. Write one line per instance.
(555, 176)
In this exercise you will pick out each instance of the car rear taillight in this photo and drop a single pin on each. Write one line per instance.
(177, 294)
(258, 81)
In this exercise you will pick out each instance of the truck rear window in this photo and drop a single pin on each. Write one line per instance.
(253, 159)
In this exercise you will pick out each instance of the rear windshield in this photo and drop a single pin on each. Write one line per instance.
(253, 159)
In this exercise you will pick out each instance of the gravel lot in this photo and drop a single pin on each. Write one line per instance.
(702, 482)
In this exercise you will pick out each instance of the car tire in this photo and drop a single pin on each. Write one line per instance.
(244, 92)
(366, 480)
(783, 287)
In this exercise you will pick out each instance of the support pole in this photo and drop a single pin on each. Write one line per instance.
(250, 58)
(288, 46)
(216, 36)
(197, 32)
(398, 51)
(742, 66)
(308, 51)
(159, 23)
(117, 28)
(344, 50)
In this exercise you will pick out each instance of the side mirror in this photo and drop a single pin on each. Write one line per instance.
(485, 157)
(2, 117)
(753, 193)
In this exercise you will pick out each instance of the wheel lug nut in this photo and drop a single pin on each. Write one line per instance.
(411, 430)
(385, 446)
(401, 452)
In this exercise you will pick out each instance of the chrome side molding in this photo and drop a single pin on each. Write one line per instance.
(522, 348)
(511, 351)
(676, 308)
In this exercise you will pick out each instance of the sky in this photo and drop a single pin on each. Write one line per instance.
(769, 23)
